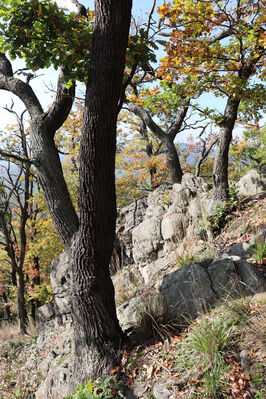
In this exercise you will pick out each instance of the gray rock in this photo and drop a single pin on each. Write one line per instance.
(134, 213)
(136, 313)
(174, 226)
(196, 209)
(57, 383)
(180, 197)
(157, 196)
(160, 390)
(139, 390)
(223, 275)
(186, 292)
(152, 272)
(196, 184)
(252, 281)
(155, 211)
(253, 182)
(146, 238)
(241, 249)
(59, 311)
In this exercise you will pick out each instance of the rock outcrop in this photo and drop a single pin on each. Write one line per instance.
(254, 182)
(152, 286)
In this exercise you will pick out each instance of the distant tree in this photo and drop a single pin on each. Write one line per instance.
(15, 210)
(218, 45)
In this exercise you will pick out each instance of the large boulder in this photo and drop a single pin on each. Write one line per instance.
(251, 280)
(191, 290)
(186, 292)
(147, 240)
(195, 183)
(224, 278)
(254, 182)
(174, 226)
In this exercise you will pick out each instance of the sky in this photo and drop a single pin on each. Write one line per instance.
(47, 78)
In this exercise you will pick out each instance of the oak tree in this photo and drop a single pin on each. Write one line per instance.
(88, 238)
(219, 46)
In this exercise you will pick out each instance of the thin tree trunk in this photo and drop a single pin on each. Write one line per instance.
(7, 307)
(22, 313)
(35, 303)
(220, 168)
(96, 328)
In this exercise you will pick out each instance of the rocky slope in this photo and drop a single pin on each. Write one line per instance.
(177, 257)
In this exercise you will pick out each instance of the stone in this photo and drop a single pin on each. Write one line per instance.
(197, 209)
(195, 183)
(136, 313)
(133, 214)
(146, 239)
(174, 226)
(157, 196)
(59, 311)
(252, 281)
(186, 292)
(223, 275)
(160, 390)
(180, 197)
(45, 314)
(241, 249)
(57, 383)
(253, 182)
(155, 211)
(151, 272)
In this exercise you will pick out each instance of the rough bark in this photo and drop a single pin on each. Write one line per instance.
(97, 331)
(172, 160)
(220, 168)
(22, 313)
(96, 328)
(50, 175)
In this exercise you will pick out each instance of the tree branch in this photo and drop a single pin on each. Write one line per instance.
(178, 121)
(147, 119)
(59, 111)
(23, 91)
(15, 157)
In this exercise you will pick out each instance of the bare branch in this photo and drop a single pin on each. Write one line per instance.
(15, 157)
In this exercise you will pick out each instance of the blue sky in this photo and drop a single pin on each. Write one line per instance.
(48, 77)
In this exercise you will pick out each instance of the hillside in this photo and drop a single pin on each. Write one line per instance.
(185, 282)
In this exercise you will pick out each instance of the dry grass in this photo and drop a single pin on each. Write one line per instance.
(10, 332)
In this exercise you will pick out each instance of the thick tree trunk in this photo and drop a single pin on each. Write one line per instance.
(50, 175)
(172, 160)
(22, 313)
(96, 328)
(220, 168)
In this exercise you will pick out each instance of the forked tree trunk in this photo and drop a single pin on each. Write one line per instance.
(220, 168)
(97, 333)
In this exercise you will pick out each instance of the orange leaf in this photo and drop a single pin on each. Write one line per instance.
(176, 339)
(114, 370)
